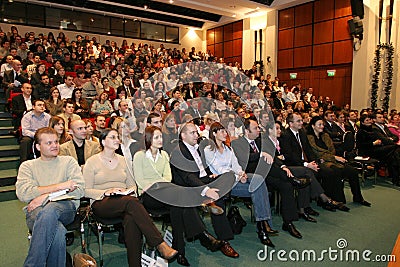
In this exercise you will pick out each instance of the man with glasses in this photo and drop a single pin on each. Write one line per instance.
(79, 148)
(30, 123)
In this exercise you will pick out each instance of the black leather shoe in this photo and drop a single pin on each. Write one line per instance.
(326, 205)
(181, 259)
(263, 236)
(289, 227)
(343, 207)
(307, 217)
(311, 212)
(364, 203)
(268, 229)
(228, 250)
(210, 242)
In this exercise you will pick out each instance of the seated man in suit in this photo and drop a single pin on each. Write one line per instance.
(188, 170)
(334, 131)
(380, 128)
(21, 104)
(13, 79)
(257, 161)
(374, 143)
(79, 148)
(298, 152)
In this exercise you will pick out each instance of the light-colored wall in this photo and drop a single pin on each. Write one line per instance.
(268, 23)
(363, 58)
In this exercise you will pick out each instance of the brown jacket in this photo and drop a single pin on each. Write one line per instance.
(91, 148)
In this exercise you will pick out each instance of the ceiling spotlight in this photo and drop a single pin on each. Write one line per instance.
(92, 19)
(234, 16)
(10, 1)
(257, 8)
(171, 1)
(145, 6)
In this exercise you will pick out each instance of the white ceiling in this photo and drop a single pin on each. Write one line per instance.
(232, 10)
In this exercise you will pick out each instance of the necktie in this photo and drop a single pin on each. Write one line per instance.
(69, 122)
(303, 155)
(253, 146)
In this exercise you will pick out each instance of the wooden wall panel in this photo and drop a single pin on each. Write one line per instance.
(238, 30)
(219, 50)
(218, 35)
(228, 32)
(286, 18)
(211, 49)
(285, 59)
(303, 14)
(342, 8)
(302, 57)
(324, 10)
(322, 54)
(285, 38)
(343, 52)
(323, 32)
(228, 49)
(237, 47)
(341, 29)
(210, 36)
(303, 36)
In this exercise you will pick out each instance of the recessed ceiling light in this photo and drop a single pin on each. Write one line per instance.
(257, 8)
(171, 1)
(234, 15)
(145, 6)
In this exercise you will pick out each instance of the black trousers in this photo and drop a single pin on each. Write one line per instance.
(313, 191)
(331, 182)
(278, 180)
(135, 220)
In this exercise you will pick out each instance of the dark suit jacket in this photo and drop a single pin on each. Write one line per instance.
(292, 150)
(386, 135)
(131, 92)
(9, 78)
(18, 105)
(278, 104)
(184, 169)
(348, 127)
(334, 131)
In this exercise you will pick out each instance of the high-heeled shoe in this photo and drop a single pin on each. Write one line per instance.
(167, 252)
(181, 259)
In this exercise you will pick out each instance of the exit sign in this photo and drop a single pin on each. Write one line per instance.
(331, 73)
(293, 75)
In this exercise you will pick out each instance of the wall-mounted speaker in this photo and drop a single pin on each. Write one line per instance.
(357, 8)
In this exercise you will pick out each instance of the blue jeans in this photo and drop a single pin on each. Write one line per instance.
(259, 196)
(48, 245)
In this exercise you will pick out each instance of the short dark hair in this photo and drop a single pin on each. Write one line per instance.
(151, 116)
(103, 136)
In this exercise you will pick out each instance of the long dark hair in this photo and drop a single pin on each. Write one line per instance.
(149, 134)
(103, 136)
(214, 128)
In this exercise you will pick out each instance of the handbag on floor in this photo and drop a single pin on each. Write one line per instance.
(236, 220)
(84, 260)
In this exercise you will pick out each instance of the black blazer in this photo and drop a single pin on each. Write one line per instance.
(18, 105)
(131, 90)
(348, 127)
(334, 131)
(291, 149)
(184, 169)
(387, 137)
(9, 78)
(278, 104)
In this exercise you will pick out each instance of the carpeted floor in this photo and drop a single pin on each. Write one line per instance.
(363, 228)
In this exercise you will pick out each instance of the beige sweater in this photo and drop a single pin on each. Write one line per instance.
(35, 173)
(99, 178)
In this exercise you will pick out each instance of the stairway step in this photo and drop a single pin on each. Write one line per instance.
(5, 114)
(8, 177)
(5, 130)
(5, 122)
(7, 193)
(9, 151)
(9, 163)
(7, 140)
